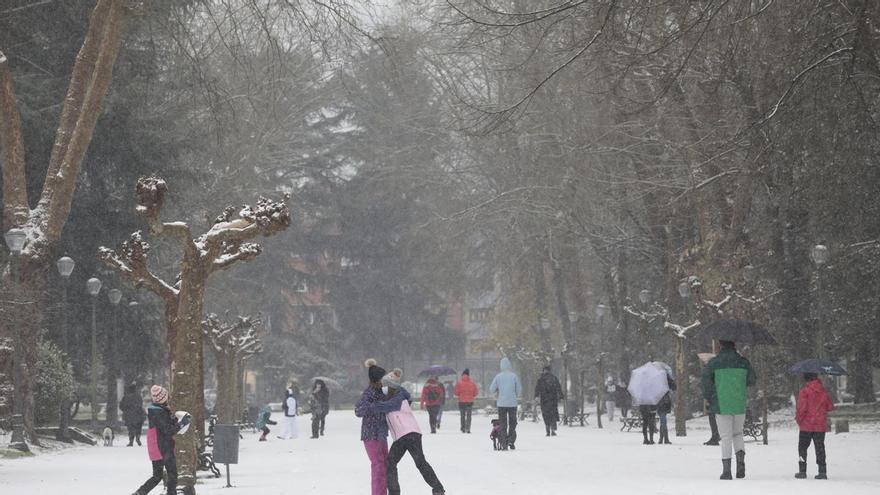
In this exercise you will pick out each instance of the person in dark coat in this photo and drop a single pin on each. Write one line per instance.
(549, 391)
(324, 399)
(160, 442)
(318, 401)
(133, 415)
(622, 399)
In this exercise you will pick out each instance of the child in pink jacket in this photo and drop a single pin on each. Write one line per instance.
(407, 438)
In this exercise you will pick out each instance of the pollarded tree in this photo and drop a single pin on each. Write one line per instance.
(224, 244)
(233, 340)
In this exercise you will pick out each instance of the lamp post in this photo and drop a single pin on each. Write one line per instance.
(601, 309)
(684, 290)
(65, 267)
(15, 240)
(571, 360)
(114, 295)
(93, 286)
(819, 255)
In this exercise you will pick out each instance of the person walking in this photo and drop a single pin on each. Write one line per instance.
(317, 407)
(610, 396)
(371, 408)
(466, 391)
(289, 428)
(264, 419)
(549, 392)
(725, 380)
(407, 438)
(324, 398)
(432, 399)
(133, 415)
(813, 406)
(622, 399)
(507, 389)
(160, 442)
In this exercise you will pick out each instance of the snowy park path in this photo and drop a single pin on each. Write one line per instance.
(580, 460)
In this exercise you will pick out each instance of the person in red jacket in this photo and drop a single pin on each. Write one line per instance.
(433, 397)
(466, 391)
(812, 419)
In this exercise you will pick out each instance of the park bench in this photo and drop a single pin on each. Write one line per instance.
(754, 429)
(576, 418)
(843, 414)
(634, 421)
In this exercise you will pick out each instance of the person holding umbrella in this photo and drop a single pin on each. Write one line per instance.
(724, 382)
(432, 399)
(813, 406)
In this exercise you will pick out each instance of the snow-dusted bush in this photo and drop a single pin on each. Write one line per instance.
(54, 380)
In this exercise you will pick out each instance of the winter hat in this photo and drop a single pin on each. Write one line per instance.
(466, 371)
(392, 379)
(374, 371)
(159, 394)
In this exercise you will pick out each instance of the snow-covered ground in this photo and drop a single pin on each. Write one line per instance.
(579, 460)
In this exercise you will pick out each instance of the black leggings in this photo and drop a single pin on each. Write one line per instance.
(648, 426)
(411, 443)
(170, 466)
(465, 408)
(433, 420)
(507, 420)
(818, 440)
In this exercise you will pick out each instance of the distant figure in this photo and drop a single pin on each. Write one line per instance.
(264, 420)
(724, 382)
(289, 428)
(622, 399)
(813, 406)
(664, 407)
(610, 397)
(549, 391)
(507, 389)
(133, 415)
(407, 438)
(466, 392)
(432, 399)
(317, 403)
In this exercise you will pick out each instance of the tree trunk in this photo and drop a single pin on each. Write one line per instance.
(226, 390)
(681, 413)
(186, 369)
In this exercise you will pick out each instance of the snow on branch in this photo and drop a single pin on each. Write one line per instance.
(236, 337)
(224, 244)
(130, 259)
(681, 331)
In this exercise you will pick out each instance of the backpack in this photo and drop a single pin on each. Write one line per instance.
(433, 395)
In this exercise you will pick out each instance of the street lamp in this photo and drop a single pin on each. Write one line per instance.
(750, 273)
(114, 295)
(684, 290)
(645, 296)
(65, 267)
(15, 239)
(93, 286)
(601, 309)
(819, 255)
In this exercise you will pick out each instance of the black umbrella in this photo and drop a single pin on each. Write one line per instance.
(819, 367)
(437, 370)
(742, 331)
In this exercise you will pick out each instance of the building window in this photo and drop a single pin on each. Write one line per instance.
(477, 315)
(301, 287)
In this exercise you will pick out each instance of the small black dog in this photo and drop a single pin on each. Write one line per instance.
(495, 435)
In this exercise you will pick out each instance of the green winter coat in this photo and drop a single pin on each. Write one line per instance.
(724, 382)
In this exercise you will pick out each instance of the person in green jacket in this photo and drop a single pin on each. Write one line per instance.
(725, 381)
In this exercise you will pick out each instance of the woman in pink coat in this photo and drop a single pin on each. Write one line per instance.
(407, 438)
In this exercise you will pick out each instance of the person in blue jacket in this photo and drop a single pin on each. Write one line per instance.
(507, 388)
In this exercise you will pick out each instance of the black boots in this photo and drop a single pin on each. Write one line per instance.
(822, 474)
(725, 473)
(740, 464)
(712, 441)
(802, 471)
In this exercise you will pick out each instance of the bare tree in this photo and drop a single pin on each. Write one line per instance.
(233, 340)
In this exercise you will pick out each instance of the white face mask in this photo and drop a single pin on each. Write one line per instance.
(385, 390)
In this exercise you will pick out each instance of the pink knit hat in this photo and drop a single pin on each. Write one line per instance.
(159, 394)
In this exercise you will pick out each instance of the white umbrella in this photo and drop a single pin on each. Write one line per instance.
(647, 384)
